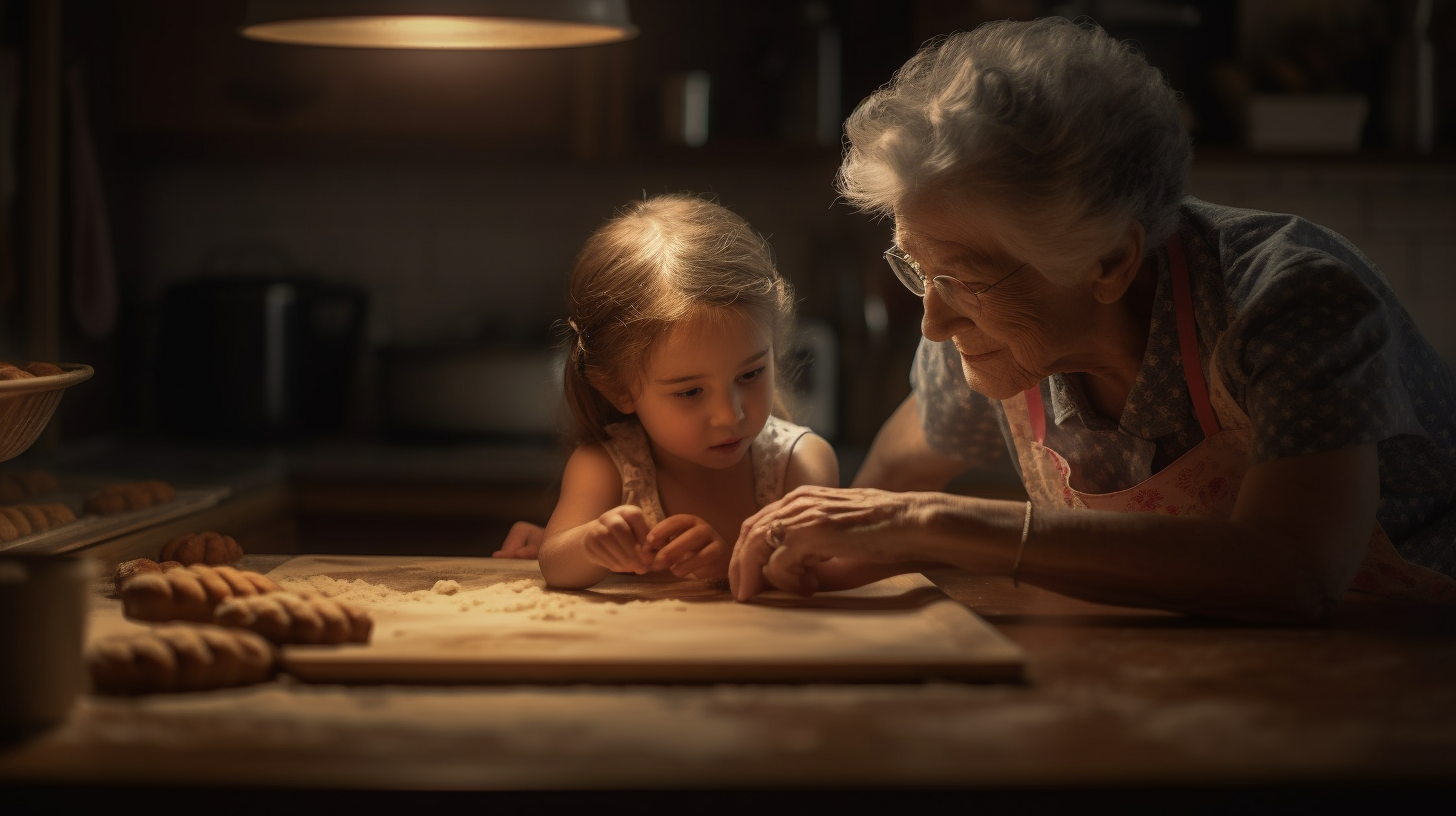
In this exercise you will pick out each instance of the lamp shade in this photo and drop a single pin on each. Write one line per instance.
(439, 24)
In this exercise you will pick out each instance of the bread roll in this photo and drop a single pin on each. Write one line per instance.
(118, 498)
(186, 593)
(34, 518)
(40, 369)
(179, 657)
(202, 548)
(18, 518)
(19, 485)
(105, 504)
(286, 617)
(7, 530)
(56, 513)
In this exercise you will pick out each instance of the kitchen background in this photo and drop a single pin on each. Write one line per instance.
(449, 191)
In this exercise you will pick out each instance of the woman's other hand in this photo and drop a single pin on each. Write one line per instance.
(816, 537)
(523, 541)
(689, 547)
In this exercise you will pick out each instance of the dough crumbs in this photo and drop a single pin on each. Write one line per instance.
(446, 586)
(525, 597)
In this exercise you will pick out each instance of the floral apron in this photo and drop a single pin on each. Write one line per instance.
(1204, 482)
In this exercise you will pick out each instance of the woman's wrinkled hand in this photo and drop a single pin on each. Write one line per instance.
(817, 537)
(689, 547)
(523, 541)
(614, 540)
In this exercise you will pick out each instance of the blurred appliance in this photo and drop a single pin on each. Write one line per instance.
(257, 358)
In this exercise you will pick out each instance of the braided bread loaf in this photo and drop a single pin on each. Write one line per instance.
(126, 570)
(182, 592)
(202, 548)
(286, 617)
(179, 657)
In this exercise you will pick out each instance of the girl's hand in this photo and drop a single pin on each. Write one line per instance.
(688, 546)
(817, 537)
(614, 540)
(523, 541)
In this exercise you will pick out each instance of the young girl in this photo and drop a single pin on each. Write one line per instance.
(678, 314)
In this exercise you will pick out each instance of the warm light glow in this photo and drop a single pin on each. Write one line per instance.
(438, 32)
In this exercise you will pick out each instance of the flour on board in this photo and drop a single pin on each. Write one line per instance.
(527, 597)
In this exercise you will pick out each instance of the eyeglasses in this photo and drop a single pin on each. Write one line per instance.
(954, 291)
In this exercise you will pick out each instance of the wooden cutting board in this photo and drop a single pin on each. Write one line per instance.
(463, 620)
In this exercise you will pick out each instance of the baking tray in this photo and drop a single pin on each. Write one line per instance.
(90, 529)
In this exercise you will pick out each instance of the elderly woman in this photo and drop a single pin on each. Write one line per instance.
(1215, 411)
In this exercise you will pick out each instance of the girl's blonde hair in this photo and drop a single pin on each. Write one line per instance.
(656, 263)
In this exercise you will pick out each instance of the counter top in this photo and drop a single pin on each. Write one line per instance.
(1114, 701)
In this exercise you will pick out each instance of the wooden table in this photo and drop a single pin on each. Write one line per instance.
(1118, 707)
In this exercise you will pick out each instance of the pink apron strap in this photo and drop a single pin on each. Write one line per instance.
(1188, 339)
(1187, 342)
(1037, 412)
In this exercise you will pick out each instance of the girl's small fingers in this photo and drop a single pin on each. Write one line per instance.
(627, 554)
(628, 537)
(610, 552)
(707, 557)
(611, 529)
(668, 529)
(622, 535)
(682, 547)
(601, 555)
(637, 524)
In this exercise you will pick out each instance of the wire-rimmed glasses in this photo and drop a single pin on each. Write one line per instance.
(954, 291)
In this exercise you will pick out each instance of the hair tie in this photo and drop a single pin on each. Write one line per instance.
(580, 345)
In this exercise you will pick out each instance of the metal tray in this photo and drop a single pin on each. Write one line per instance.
(90, 529)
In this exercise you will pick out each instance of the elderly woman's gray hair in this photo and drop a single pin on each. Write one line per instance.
(1063, 133)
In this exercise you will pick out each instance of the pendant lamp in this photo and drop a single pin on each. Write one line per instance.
(439, 24)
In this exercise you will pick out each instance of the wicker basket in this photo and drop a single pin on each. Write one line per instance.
(26, 406)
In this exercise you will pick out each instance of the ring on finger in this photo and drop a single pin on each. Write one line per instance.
(772, 537)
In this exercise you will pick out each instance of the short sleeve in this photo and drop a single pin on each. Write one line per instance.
(956, 420)
(1317, 359)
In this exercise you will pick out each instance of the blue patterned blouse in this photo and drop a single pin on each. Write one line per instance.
(1309, 339)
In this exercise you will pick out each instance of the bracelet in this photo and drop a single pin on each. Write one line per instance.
(1021, 548)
